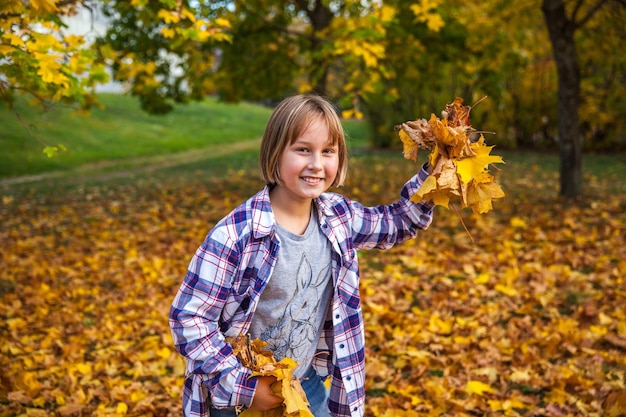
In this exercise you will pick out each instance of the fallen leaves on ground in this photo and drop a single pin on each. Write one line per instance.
(528, 320)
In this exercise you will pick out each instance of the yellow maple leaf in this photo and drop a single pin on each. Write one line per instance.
(446, 134)
(434, 156)
(440, 325)
(168, 32)
(222, 22)
(471, 167)
(440, 198)
(50, 69)
(253, 355)
(168, 16)
(429, 185)
(122, 408)
(481, 192)
(478, 387)
(506, 290)
(83, 368)
(409, 146)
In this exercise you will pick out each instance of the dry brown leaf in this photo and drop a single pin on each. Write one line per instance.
(614, 405)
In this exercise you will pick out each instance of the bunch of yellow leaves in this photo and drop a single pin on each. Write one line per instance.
(262, 363)
(460, 165)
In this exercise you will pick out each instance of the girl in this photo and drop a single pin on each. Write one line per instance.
(283, 267)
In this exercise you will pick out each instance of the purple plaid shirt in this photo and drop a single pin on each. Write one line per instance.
(229, 271)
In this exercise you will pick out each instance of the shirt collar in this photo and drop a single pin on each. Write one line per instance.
(263, 222)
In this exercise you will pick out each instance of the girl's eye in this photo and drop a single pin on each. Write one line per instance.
(330, 150)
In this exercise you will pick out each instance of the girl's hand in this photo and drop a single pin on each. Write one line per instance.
(264, 398)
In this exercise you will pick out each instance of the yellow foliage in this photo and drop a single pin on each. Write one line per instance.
(459, 166)
(370, 52)
(168, 16)
(385, 12)
(425, 11)
(122, 408)
(44, 6)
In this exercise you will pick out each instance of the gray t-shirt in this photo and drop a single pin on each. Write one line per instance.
(292, 308)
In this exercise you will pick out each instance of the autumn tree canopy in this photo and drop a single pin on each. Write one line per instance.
(388, 61)
(39, 58)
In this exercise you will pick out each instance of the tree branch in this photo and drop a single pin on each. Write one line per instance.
(590, 12)
(577, 7)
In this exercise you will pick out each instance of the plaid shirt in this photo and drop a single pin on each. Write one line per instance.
(229, 271)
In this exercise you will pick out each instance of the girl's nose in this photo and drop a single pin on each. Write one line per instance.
(315, 162)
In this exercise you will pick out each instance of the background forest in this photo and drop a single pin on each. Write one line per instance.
(385, 61)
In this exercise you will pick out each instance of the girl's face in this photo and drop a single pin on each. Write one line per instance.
(309, 165)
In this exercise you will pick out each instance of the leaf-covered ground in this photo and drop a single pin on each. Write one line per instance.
(527, 320)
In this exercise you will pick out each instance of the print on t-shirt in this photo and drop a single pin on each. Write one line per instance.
(293, 335)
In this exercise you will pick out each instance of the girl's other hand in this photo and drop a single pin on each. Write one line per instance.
(264, 398)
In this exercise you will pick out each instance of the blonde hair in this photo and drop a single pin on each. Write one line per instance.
(288, 121)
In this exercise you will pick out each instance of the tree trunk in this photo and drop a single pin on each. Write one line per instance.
(561, 30)
(320, 16)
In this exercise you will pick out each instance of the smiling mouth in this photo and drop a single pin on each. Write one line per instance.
(312, 180)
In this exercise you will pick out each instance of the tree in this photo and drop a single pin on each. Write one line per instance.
(162, 49)
(334, 48)
(39, 59)
(562, 25)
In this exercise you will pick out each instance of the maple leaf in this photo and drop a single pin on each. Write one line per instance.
(252, 355)
(416, 135)
(459, 166)
(457, 114)
(614, 405)
(410, 146)
(472, 167)
(46, 6)
(447, 135)
(481, 191)
(477, 387)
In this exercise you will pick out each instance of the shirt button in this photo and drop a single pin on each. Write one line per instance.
(337, 316)
(341, 346)
(348, 378)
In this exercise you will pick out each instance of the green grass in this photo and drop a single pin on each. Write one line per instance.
(119, 131)
(117, 134)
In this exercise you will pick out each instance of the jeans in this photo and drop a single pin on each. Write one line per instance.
(312, 385)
